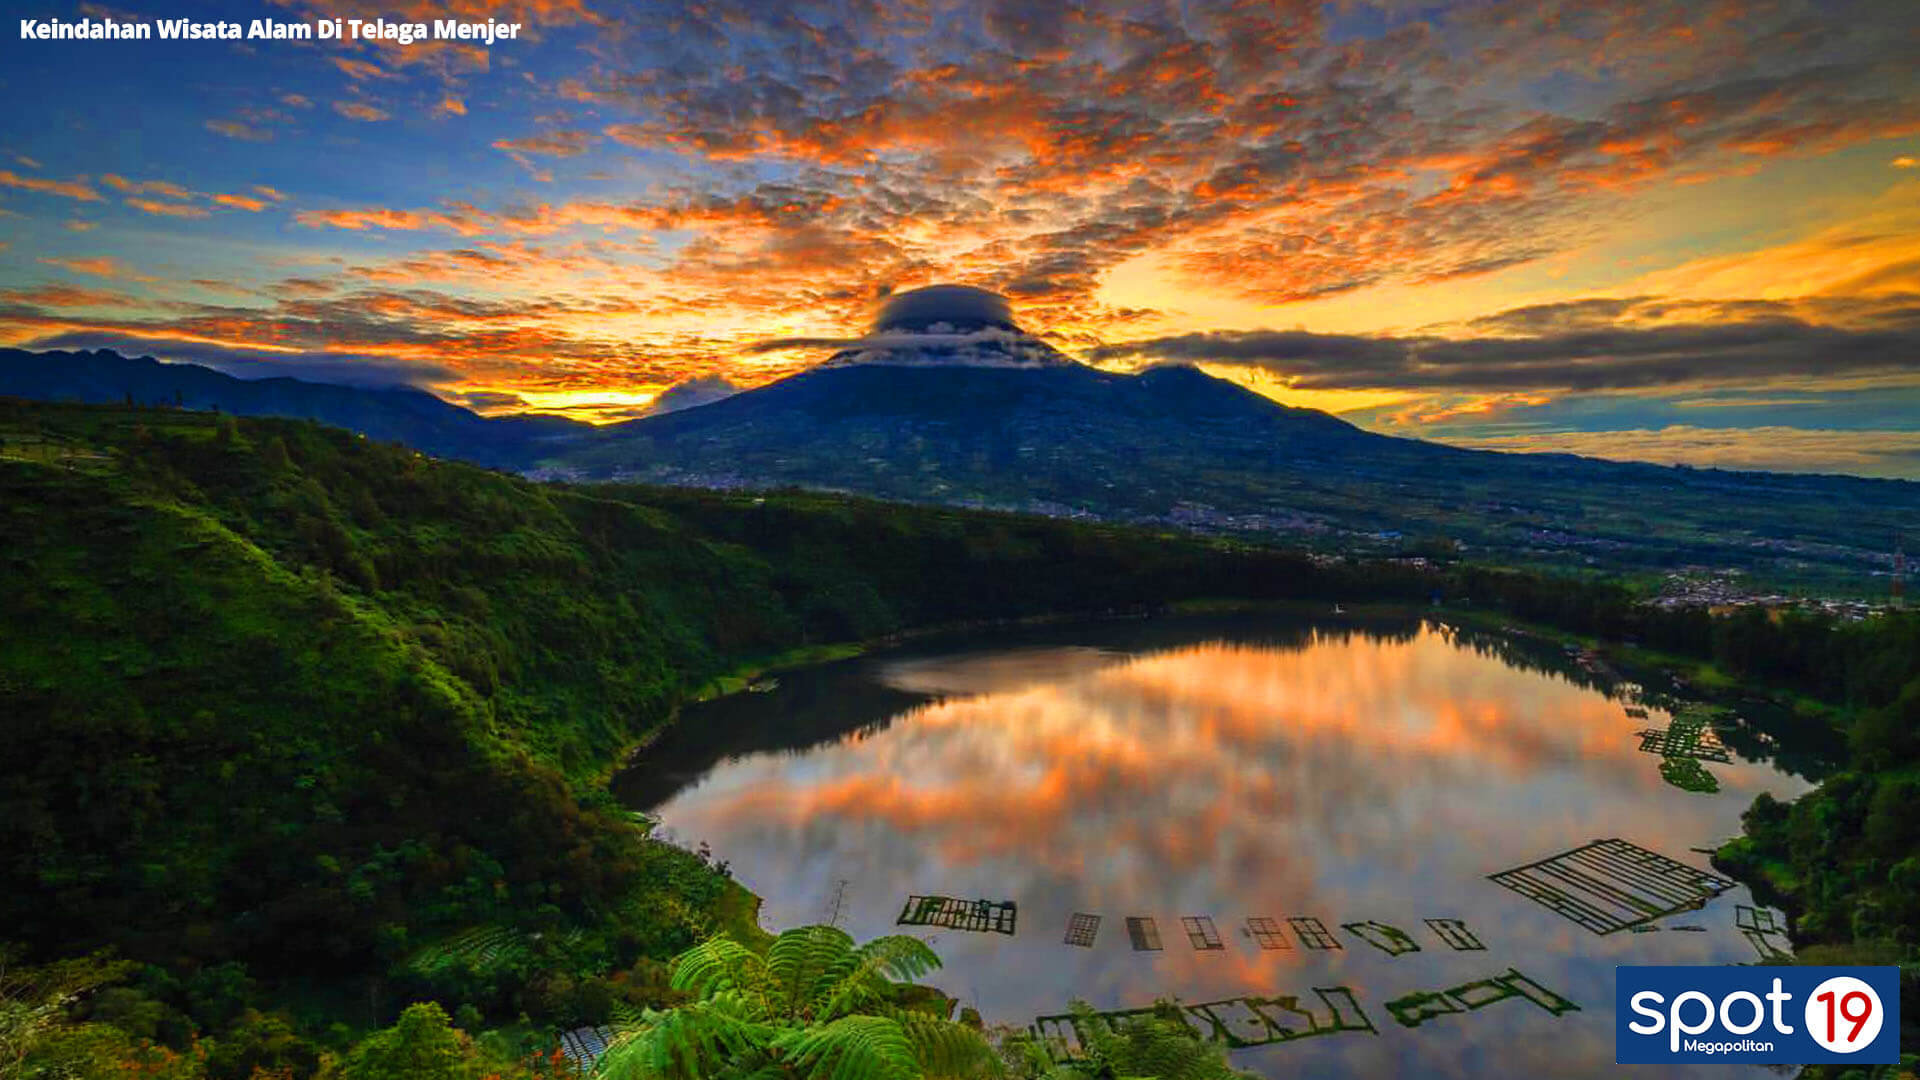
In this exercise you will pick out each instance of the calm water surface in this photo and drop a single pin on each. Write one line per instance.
(1226, 769)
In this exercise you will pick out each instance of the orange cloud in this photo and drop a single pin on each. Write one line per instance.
(145, 187)
(154, 206)
(234, 129)
(360, 69)
(405, 220)
(97, 265)
(66, 296)
(1489, 405)
(359, 110)
(553, 143)
(1875, 249)
(241, 202)
(70, 189)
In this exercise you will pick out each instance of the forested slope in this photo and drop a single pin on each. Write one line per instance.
(287, 706)
(285, 694)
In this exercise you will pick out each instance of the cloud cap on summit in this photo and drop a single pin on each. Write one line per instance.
(939, 325)
(953, 309)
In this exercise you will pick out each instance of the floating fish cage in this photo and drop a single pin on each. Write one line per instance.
(1611, 885)
(980, 916)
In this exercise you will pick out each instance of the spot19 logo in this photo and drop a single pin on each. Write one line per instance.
(1757, 1015)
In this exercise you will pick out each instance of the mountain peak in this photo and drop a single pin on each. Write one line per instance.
(948, 326)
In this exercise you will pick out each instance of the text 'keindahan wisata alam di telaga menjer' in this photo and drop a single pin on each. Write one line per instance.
(382, 30)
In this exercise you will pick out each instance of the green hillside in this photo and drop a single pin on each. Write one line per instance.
(304, 722)
(289, 696)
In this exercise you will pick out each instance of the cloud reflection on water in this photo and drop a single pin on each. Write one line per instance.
(1356, 777)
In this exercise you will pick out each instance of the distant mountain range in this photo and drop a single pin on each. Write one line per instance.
(398, 414)
(1174, 446)
(1170, 447)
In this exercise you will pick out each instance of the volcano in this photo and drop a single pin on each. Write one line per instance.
(947, 399)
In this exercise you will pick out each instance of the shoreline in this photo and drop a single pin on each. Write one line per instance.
(1622, 661)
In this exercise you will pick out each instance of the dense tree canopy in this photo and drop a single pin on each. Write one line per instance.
(260, 674)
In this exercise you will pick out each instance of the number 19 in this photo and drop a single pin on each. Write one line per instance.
(1858, 1019)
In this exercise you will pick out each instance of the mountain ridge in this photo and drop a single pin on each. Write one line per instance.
(1167, 447)
(1175, 446)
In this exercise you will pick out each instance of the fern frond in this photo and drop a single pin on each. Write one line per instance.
(802, 963)
(947, 1050)
(718, 965)
(864, 977)
(850, 1048)
(691, 1042)
(1162, 1045)
(626, 1016)
(899, 957)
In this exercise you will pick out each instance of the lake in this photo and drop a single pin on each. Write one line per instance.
(1360, 777)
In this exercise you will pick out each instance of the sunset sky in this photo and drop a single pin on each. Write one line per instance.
(1678, 231)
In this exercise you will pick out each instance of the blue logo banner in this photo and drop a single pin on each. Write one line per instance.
(1756, 1015)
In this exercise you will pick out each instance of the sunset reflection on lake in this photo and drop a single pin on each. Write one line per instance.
(1330, 772)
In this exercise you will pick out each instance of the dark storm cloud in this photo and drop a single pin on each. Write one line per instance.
(1561, 317)
(1572, 347)
(691, 393)
(883, 340)
(489, 399)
